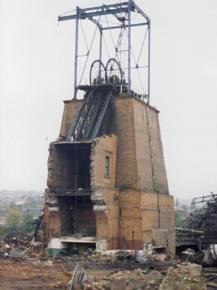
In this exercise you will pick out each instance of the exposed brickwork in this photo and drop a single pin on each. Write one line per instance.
(140, 160)
(52, 223)
(159, 170)
(51, 166)
(122, 243)
(102, 148)
(126, 162)
(107, 220)
(142, 148)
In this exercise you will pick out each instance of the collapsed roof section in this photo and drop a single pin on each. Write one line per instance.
(200, 230)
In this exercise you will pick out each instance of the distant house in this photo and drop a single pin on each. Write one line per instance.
(2, 222)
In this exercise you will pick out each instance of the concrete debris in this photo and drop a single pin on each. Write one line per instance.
(141, 257)
(96, 270)
(19, 253)
(104, 274)
(212, 285)
(188, 252)
(48, 263)
(210, 256)
(17, 250)
(112, 256)
(79, 277)
(20, 238)
(159, 257)
(148, 249)
(7, 249)
(125, 279)
(184, 277)
(193, 269)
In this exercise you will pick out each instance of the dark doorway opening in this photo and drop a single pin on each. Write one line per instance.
(77, 216)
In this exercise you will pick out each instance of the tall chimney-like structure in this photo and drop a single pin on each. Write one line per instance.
(107, 184)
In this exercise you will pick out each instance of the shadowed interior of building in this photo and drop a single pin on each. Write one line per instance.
(72, 166)
(77, 216)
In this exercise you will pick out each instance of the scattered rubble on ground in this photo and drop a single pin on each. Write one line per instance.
(184, 277)
(111, 270)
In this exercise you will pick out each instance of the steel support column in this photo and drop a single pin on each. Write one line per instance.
(100, 47)
(76, 52)
(149, 59)
(129, 47)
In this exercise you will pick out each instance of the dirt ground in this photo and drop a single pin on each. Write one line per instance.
(31, 275)
(36, 274)
(56, 273)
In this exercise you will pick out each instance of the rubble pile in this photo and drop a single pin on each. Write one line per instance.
(118, 259)
(184, 277)
(135, 279)
(57, 273)
(95, 270)
(200, 229)
(19, 249)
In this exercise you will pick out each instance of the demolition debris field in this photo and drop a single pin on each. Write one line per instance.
(55, 273)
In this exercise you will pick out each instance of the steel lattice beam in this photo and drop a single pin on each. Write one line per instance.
(97, 11)
(115, 10)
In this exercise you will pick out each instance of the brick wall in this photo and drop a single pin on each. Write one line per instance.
(132, 206)
(103, 147)
(107, 218)
(159, 169)
(126, 163)
(51, 223)
(140, 160)
(147, 218)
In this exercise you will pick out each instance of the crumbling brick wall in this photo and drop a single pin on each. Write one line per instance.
(132, 207)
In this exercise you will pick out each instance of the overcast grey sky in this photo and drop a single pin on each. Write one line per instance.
(36, 63)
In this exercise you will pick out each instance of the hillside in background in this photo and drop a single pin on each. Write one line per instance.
(18, 208)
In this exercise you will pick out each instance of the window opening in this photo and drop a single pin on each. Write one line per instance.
(107, 167)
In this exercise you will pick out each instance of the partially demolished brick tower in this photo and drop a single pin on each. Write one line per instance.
(107, 184)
